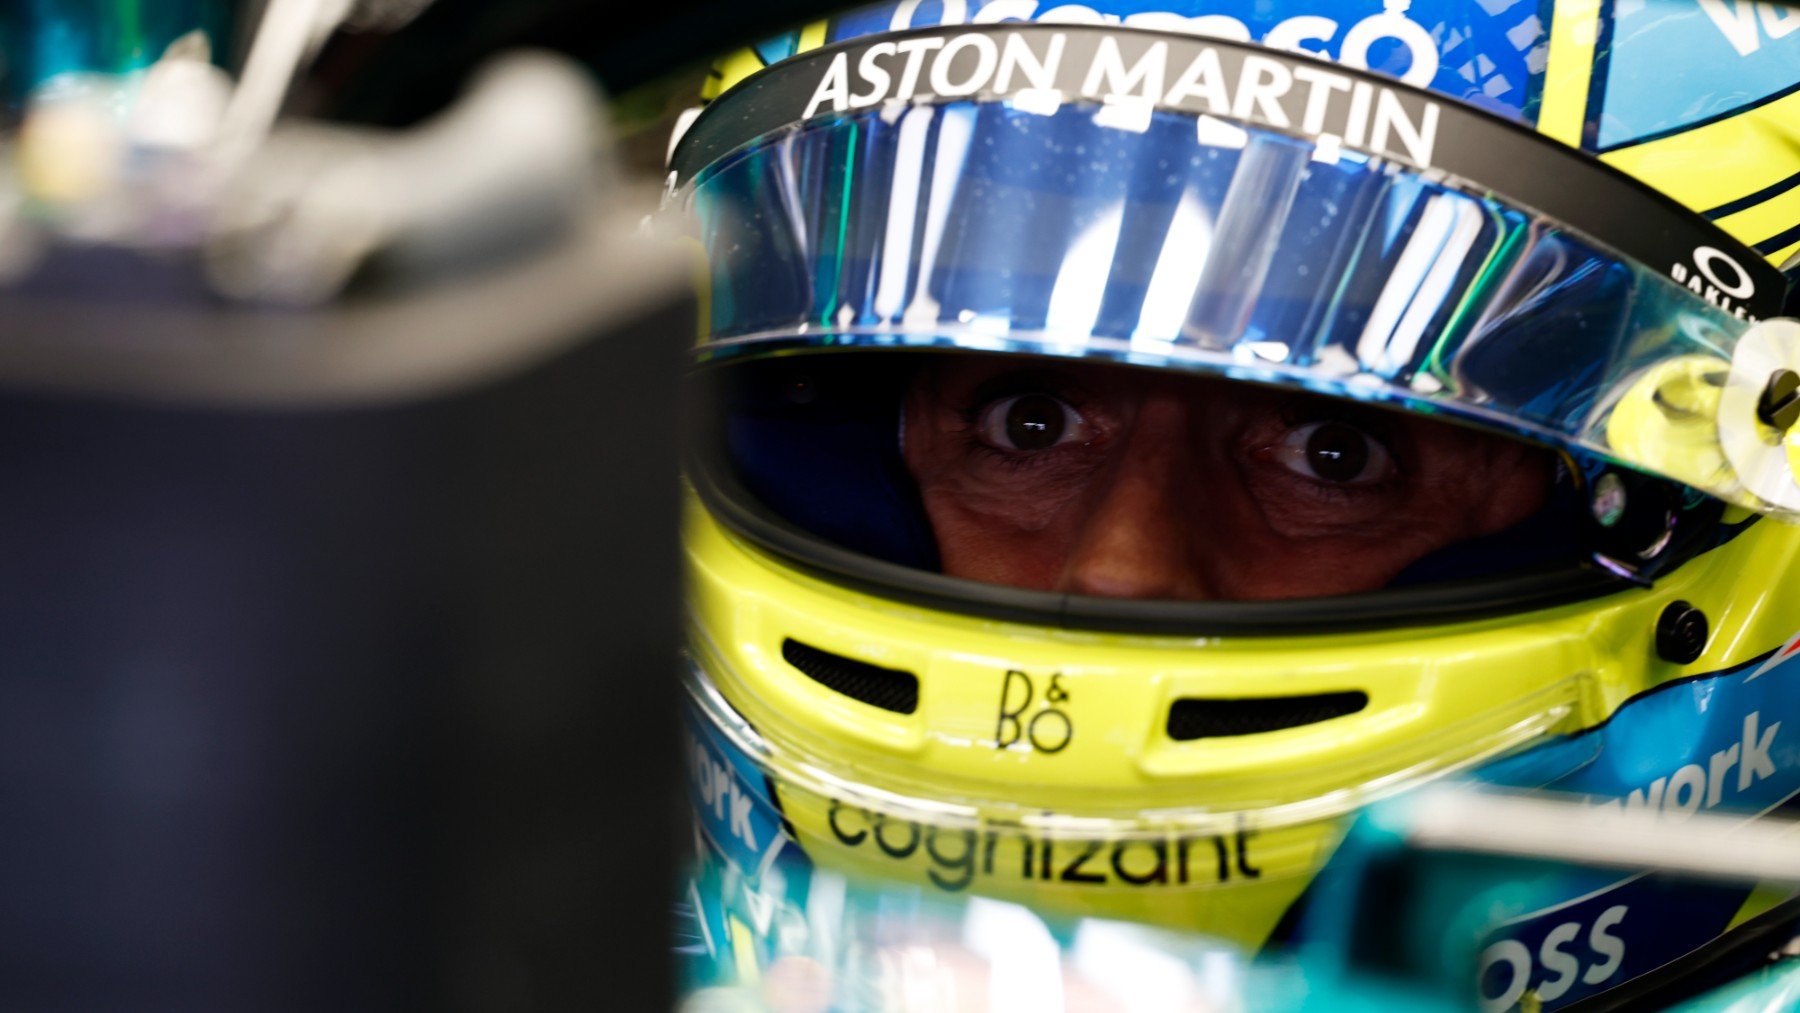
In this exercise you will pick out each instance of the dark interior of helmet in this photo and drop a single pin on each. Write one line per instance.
(1012, 482)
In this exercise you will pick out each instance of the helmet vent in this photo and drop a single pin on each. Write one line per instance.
(1206, 718)
(887, 688)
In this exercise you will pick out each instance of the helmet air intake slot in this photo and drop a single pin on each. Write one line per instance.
(1204, 718)
(888, 688)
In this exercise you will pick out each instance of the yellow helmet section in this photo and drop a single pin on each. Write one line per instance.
(1739, 166)
(1039, 763)
(734, 67)
(1747, 185)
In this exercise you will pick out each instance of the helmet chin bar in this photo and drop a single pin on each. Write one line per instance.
(1445, 751)
(1029, 742)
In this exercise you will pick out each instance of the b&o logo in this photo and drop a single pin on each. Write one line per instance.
(1048, 728)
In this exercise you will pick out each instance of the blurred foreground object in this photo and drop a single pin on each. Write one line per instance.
(1511, 901)
(1426, 920)
(339, 588)
(175, 156)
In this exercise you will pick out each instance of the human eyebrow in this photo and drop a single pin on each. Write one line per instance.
(1022, 381)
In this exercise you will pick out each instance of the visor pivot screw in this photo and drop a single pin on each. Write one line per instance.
(1609, 500)
(1681, 633)
(1779, 406)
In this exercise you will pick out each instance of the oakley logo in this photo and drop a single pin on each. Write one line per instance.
(1718, 278)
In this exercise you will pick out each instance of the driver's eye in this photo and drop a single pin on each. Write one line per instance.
(1031, 422)
(1335, 453)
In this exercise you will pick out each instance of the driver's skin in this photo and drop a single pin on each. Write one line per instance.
(1105, 480)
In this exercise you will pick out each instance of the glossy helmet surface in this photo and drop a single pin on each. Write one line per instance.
(1561, 224)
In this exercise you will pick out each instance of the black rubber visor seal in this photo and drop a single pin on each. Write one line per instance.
(1424, 605)
(1285, 92)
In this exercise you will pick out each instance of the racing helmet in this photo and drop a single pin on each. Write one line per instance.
(1490, 294)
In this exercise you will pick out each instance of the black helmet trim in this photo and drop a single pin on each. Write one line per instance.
(1285, 92)
(1424, 605)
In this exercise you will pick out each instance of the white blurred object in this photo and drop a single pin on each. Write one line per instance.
(1125, 963)
(176, 157)
(181, 99)
(513, 158)
(123, 158)
(1706, 845)
(1024, 961)
(286, 36)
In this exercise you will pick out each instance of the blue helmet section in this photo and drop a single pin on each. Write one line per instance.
(1722, 742)
(1659, 66)
(1732, 56)
(1488, 53)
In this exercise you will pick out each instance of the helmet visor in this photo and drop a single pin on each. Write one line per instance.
(1196, 245)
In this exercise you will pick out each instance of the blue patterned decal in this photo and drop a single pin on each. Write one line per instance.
(1490, 53)
(1712, 742)
(746, 871)
(1720, 743)
(778, 48)
(730, 799)
(1674, 64)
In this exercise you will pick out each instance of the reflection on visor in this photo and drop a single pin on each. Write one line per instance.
(1197, 244)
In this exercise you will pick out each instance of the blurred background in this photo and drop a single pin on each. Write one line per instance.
(338, 567)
